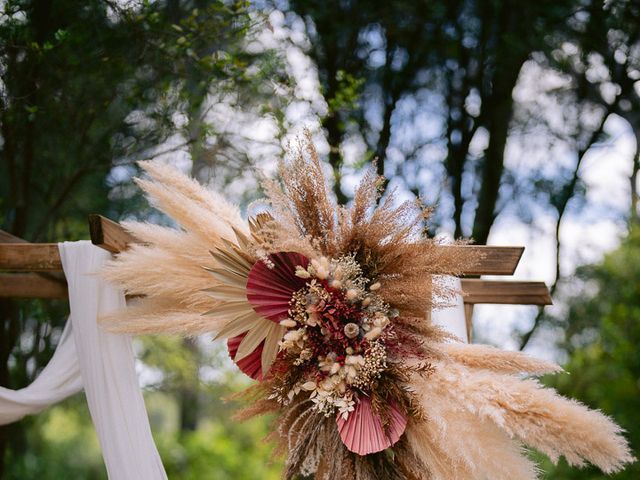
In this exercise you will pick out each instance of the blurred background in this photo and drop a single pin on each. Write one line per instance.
(518, 119)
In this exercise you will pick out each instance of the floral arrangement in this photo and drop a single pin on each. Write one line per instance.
(328, 309)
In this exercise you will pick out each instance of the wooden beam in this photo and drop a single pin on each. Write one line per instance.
(113, 237)
(505, 292)
(30, 257)
(31, 285)
(56, 277)
(474, 291)
(108, 234)
(491, 260)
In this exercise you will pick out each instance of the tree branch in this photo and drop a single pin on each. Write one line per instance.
(568, 191)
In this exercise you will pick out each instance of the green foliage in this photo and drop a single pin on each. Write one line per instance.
(603, 335)
(84, 88)
(221, 447)
(63, 444)
(221, 451)
(347, 94)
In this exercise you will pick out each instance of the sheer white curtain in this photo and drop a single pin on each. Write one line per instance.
(102, 363)
(58, 380)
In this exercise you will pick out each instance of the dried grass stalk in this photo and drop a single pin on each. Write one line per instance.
(526, 411)
(485, 357)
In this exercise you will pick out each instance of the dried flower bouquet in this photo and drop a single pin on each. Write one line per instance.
(327, 308)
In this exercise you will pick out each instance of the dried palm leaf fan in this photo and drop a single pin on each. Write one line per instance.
(326, 308)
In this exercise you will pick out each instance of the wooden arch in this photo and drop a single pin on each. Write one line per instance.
(34, 270)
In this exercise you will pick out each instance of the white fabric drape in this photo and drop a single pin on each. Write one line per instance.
(452, 318)
(102, 363)
(58, 380)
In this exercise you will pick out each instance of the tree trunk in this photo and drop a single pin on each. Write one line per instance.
(8, 336)
(331, 124)
(634, 215)
(501, 111)
(566, 193)
(334, 137)
(385, 138)
(189, 392)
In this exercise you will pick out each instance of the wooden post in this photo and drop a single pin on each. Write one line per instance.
(468, 317)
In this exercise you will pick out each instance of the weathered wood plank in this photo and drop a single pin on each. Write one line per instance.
(30, 257)
(492, 260)
(108, 234)
(475, 291)
(57, 277)
(31, 285)
(111, 236)
(505, 292)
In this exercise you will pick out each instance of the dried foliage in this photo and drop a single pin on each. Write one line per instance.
(486, 357)
(387, 239)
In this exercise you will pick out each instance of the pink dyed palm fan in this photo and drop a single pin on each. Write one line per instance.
(362, 432)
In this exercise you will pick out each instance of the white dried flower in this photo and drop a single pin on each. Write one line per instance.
(322, 273)
(321, 267)
(312, 319)
(351, 330)
(373, 333)
(345, 406)
(325, 263)
(302, 272)
(350, 373)
(338, 272)
(341, 387)
(327, 363)
(354, 360)
(352, 294)
(294, 335)
(380, 320)
(293, 392)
